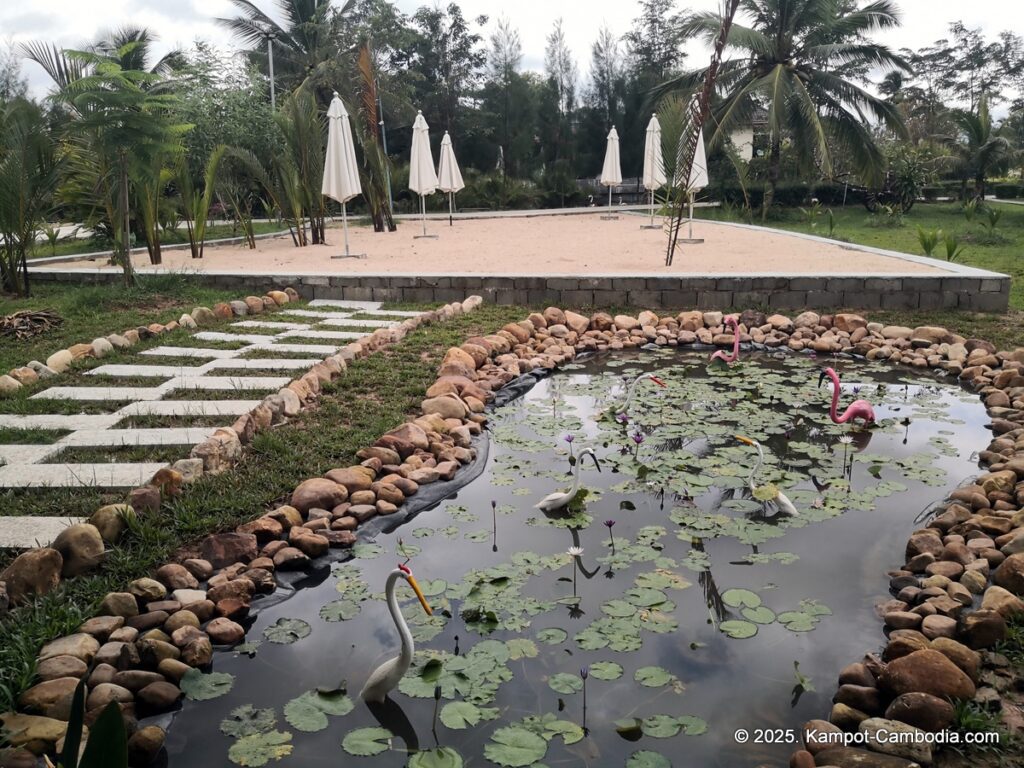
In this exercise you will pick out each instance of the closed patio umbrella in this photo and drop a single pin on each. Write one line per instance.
(611, 173)
(697, 180)
(449, 177)
(422, 179)
(341, 175)
(654, 164)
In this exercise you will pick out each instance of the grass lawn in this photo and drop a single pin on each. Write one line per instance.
(90, 311)
(376, 394)
(67, 247)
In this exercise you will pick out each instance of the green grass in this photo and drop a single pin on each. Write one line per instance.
(86, 245)
(171, 422)
(13, 436)
(854, 224)
(90, 311)
(376, 395)
(113, 454)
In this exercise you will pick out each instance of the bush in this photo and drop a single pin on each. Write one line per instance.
(1007, 191)
(791, 194)
(834, 193)
(932, 192)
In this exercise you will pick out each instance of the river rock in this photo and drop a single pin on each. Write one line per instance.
(1010, 574)
(37, 733)
(912, 744)
(318, 492)
(147, 589)
(223, 631)
(982, 629)
(223, 549)
(33, 573)
(160, 696)
(145, 744)
(112, 521)
(922, 710)
(79, 645)
(818, 734)
(1002, 601)
(850, 757)
(50, 697)
(61, 666)
(926, 671)
(845, 717)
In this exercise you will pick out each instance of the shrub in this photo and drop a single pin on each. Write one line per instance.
(1007, 191)
(932, 192)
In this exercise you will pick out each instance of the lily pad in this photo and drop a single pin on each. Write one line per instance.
(198, 686)
(247, 720)
(438, 757)
(564, 682)
(521, 648)
(645, 758)
(741, 598)
(606, 670)
(515, 747)
(259, 749)
(459, 715)
(366, 742)
(340, 610)
(309, 711)
(287, 631)
(661, 726)
(738, 629)
(762, 614)
(653, 677)
(552, 636)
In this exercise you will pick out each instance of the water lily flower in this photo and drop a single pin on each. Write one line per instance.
(570, 437)
(609, 524)
(622, 418)
(575, 551)
(846, 439)
(584, 672)
(638, 437)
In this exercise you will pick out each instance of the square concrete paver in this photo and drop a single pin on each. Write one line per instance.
(348, 304)
(361, 323)
(77, 475)
(54, 421)
(100, 393)
(188, 408)
(299, 349)
(88, 438)
(248, 338)
(26, 532)
(222, 383)
(146, 370)
(216, 354)
(257, 363)
(338, 335)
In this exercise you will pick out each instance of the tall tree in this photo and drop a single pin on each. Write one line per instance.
(606, 75)
(12, 82)
(655, 41)
(449, 59)
(561, 75)
(978, 150)
(787, 64)
(503, 61)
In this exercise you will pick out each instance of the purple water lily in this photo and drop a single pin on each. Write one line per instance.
(608, 524)
(584, 672)
(622, 418)
(569, 438)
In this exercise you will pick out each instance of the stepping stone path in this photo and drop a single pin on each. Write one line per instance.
(247, 370)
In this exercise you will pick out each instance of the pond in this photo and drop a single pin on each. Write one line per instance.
(700, 609)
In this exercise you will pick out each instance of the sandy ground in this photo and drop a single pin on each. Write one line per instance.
(543, 245)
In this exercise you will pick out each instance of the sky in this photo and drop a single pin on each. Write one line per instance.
(179, 22)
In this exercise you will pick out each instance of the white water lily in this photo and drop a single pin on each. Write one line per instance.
(575, 551)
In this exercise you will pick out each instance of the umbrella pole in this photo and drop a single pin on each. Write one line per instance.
(344, 225)
(610, 215)
(451, 202)
(691, 239)
(423, 218)
(652, 225)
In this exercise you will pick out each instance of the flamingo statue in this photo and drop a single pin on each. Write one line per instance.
(559, 499)
(858, 409)
(730, 357)
(769, 493)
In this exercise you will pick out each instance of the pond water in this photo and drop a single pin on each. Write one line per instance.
(691, 622)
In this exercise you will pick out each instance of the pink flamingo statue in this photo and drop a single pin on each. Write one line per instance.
(858, 409)
(735, 354)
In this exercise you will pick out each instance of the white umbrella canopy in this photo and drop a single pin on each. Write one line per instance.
(699, 170)
(341, 174)
(449, 177)
(654, 164)
(611, 173)
(422, 178)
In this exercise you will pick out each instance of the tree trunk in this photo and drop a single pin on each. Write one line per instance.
(774, 169)
(979, 187)
(126, 243)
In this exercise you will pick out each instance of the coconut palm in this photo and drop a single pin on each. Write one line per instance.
(798, 60)
(305, 43)
(977, 149)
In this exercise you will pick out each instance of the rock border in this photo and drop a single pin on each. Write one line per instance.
(146, 638)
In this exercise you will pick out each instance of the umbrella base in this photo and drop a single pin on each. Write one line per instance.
(348, 256)
(690, 240)
(609, 218)
(420, 237)
(651, 226)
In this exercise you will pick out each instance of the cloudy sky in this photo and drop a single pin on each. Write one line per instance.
(179, 22)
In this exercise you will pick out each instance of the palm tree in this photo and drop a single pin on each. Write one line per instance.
(797, 59)
(29, 173)
(977, 149)
(306, 43)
